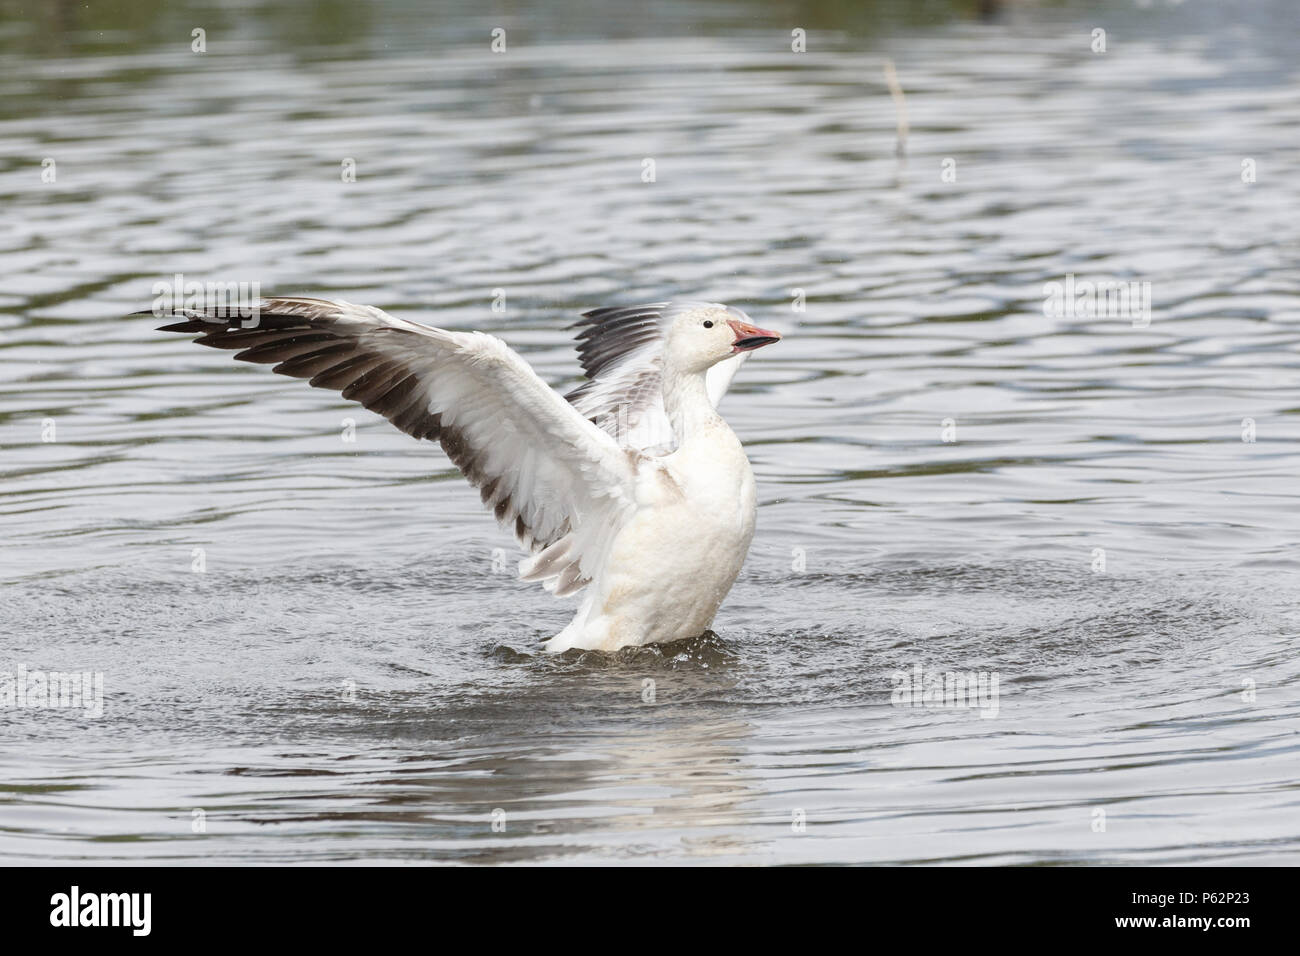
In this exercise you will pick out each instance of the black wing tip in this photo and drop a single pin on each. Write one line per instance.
(605, 313)
(195, 320)
(189, 325)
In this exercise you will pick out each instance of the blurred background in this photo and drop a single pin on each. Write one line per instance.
(319, 643)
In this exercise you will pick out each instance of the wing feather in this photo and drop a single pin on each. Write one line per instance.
(561, 484)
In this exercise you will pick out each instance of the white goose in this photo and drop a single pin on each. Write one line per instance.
(634, 487)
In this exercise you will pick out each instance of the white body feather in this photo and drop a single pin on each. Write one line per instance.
(676, 556)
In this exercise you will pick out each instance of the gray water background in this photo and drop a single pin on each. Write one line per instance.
(353, 679)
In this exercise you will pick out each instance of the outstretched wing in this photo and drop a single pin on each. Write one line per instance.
(621, 352)
(559, 482)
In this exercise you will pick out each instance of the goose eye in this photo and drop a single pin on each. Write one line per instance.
(708, 324)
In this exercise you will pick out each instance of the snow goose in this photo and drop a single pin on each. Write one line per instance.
(631, 486)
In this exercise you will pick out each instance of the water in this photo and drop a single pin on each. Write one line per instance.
(351, 680)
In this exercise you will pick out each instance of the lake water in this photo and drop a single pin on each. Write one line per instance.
(952, 477)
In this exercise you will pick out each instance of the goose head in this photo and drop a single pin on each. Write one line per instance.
(700, 335)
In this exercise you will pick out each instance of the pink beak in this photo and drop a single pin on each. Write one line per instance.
(750, 337)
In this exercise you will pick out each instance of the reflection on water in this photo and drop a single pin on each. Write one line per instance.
(349, 679)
